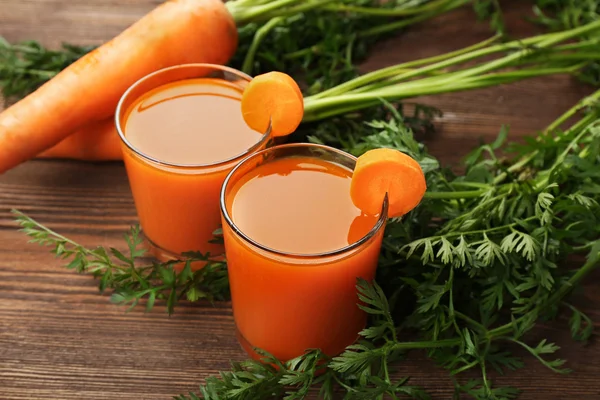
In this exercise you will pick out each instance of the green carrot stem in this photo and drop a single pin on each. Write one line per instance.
(424, 345)
(470, 184)
(577, 127)
(467, 194)
(410, 21)
(400, 68)
(392, 12)
(461, 57)
(382, 28)
(545, 42)
(453, 77)
(355, 95)
(303, 7)
(315, 109)
(585, 121)
(259, 36)
(244, 13)
(586, 102)
(588, 43)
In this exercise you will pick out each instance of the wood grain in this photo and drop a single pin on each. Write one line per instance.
(60, 339)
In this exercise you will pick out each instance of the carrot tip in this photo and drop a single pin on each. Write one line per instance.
(273, 99)
(387, 171)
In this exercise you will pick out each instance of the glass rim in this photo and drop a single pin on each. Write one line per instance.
(229, 220)
(265, 136)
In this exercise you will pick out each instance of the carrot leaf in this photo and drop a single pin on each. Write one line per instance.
(27, 65)
(134, 278)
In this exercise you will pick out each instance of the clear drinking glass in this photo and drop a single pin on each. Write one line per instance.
(288, 303)
(178, 203)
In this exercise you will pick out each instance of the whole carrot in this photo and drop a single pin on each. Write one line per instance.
(97, 141)
(176, 32)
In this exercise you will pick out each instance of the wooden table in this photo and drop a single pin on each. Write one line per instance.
(59, 339)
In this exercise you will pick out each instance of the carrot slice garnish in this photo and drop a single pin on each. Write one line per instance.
(390, 171)
(273, 97)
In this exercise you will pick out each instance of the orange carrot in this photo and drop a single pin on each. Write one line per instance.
(390, 171)
(176, 32)
(98, 141)
(273, 97)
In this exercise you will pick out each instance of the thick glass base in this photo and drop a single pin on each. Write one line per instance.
(164, 255)
(158, 252)
(246, 346)
(249, 349)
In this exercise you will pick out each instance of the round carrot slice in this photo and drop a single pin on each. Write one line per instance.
(390, 171)
(276, 98)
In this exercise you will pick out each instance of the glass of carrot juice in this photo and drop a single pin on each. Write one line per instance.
(182, 131)
(295, 246)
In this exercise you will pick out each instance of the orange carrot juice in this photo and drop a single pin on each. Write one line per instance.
(182, 131)
(295, 245)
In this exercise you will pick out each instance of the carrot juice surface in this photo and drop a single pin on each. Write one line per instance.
(182, 132)
(194, 121)
(288, 296)
(299, 205)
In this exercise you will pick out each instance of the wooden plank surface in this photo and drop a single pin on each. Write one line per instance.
(59, 339)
